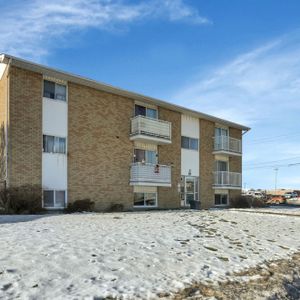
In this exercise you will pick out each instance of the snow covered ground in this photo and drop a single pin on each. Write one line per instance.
(278, 209)
(135, 255)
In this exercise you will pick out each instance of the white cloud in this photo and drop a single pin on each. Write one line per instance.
(252, 87)
(261, 89)
(31, 29)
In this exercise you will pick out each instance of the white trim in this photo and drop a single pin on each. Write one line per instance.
(146, 138)
(227, 187)
(150, 184)
(222, 126)
(65, 83)
(59, 153)
(229, 153)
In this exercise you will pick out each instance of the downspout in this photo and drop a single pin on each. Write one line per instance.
(7, 124)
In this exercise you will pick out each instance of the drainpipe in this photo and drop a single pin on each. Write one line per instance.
(7, 124)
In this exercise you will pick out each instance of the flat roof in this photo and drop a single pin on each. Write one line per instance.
(51, 72)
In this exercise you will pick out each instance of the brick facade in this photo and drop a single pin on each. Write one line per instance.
(207, 159)
(3, 122)
(25, 128)
(99, 149)
(235, 162)
(171, 154)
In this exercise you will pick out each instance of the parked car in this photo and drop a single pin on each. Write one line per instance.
(258, 195)
(289, 195)
(276, 199)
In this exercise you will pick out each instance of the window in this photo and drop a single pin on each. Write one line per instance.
(54, 199)
(53, 144)
(189, 143)
(221, 199)
(221, 131)
(145, 156)
(54, 90)
(145, 111)
(145, 199)
(221, 166)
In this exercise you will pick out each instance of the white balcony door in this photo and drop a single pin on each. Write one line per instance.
(145, 156)
(140, 110)
(221, 132)
(221, 166)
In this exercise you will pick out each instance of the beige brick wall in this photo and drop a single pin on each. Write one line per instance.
(235, 162)
(25, 128)
(3, 120)
(171, 154)
(207, 130)
(99, 149)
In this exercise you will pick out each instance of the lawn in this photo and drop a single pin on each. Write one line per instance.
(136, 255)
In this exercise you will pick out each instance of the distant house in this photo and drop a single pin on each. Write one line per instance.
(77, 138)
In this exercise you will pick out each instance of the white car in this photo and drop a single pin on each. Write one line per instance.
(257, 195)
(290, 195)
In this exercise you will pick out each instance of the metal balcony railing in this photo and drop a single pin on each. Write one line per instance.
(228, 144)
(227, 179)
(141, 125)
(150, 174)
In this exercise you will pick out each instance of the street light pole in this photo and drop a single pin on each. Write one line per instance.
(276, 174)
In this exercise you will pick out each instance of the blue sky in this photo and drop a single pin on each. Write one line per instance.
(239, 60)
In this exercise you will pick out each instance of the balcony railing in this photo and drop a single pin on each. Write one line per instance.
(224, 143)
(150, 129)
(150, 174)
(227, 179)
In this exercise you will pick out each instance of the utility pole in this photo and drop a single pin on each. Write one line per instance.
(276, 174)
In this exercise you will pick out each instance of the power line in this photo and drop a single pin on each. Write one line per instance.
(262, 139)
(272, 166)
(272, 161)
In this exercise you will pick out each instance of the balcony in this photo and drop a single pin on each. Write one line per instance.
(224, 144)
(150, 174)
(146, 129)
(227, 180)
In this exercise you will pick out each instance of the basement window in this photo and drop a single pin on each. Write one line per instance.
(54, 199)
(221, 199)
(54, 90)
(54, 144)
(145, 199)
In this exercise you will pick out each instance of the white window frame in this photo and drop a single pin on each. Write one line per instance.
(54, 196)
(146, 108)
(146, 160)
(146, 206)
(189, 137)
(224, 161)
(196, 181)
(222, 129)
(55, 83)
(56, 137)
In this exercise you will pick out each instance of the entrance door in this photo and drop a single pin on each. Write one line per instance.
(191, 189)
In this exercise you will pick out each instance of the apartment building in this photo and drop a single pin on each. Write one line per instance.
(80, 139)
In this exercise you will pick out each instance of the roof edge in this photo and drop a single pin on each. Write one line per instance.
(25, 64)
